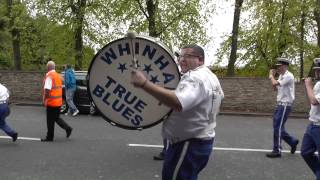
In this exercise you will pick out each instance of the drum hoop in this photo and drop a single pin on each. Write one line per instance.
(113, 123)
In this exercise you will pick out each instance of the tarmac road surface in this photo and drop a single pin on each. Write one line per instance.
(97, 150)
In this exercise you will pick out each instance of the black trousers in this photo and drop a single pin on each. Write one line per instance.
(53, 115)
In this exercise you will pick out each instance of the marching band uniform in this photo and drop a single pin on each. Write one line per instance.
(285, 98)
(4, 110)
(190, 128)
(311, 138)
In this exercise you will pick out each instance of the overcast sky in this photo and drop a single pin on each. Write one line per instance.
(221, 26)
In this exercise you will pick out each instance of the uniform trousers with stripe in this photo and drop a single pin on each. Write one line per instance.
(280, 117)
(311, 144)
(184, 160)
(3, 124)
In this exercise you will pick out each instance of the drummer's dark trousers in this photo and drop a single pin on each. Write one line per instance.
(3, 124)
(184, 160)
(311, 144)
(53, 115)
(280, 117)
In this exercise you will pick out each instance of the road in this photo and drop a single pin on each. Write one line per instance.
(96, 150)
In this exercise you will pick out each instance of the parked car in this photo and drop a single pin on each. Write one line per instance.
(81, 98)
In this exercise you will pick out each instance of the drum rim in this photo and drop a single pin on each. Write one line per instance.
(110, 121)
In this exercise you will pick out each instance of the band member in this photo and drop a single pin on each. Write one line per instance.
(285, 97)
(311, 138)
(4, 112)
(52, 99)
(190, 128)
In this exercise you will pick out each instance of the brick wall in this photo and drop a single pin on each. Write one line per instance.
(241, 94)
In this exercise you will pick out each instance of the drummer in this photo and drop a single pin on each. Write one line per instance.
(190, 128)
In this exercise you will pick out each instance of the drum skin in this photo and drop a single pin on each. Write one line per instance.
(109, 87)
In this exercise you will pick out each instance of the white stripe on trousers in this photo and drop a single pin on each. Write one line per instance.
(281, 122)
(183, 154)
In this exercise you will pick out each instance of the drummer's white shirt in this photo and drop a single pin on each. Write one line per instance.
(200, 94)
(286, 88)
(4, 93)
(314, 114)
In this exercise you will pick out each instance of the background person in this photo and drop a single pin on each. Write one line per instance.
(52, 99)
(190, 128)
(70, 89)
(4, 112)
(285, 97)
(311, 138)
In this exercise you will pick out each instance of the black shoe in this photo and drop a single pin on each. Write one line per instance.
(294, 147)
(14, 137)
(68, 131)
(273, 155)
(159, 157)
(46, 140)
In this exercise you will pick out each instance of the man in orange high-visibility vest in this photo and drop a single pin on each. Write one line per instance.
(52, 99)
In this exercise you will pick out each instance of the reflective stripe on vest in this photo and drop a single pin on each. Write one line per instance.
(55, 94)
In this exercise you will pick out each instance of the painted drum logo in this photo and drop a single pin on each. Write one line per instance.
(109, 81)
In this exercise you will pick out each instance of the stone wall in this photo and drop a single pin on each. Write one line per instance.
(241, 94)
(257, 95)
(23, 85)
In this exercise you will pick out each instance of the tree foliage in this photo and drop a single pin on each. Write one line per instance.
(274, 31)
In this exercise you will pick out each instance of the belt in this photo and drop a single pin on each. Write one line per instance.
(315, 123)
(283, 103)
(3, 102)
(195, 140)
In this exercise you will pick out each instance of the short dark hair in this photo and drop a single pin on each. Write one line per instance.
(68, 66)
(196, 48)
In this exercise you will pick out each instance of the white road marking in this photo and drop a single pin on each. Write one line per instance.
(215, 148)
(22, 138)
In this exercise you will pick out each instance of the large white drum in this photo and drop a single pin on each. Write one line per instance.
(109, 87)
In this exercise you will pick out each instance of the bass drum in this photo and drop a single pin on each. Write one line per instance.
(109, 75)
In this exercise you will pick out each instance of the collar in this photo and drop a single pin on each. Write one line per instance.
(51, 71)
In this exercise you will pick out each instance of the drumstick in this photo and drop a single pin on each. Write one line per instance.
(131, 36)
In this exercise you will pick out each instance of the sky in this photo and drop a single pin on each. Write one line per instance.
(219, 26)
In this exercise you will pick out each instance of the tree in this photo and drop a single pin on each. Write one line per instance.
(235, 27)
(15, 33)
(71, 13)
(175, 22)
(274, 30)
(302, 37)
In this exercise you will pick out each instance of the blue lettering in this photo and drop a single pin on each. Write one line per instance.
(136, 121)
(148, 50)
(121, 49)
(108, 56)
(114, 106)
(127, 112)
(120, 90)
(126, 98)
(136, 48)
(139, 106)
(110, 80)
(168, 77)
(105, 99)
(98, 91)
(161, 63)
(122, 101)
